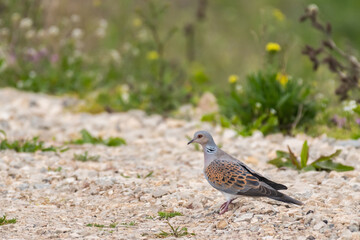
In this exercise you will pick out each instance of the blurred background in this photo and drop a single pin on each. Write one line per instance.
(266, 69)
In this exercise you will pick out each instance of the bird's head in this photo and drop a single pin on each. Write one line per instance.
(202, 137)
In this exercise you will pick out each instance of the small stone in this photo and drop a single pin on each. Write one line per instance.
(245, 217)
(346, 234)
(159, 193)
(254, 229)
(353, 228)
(23, 186)
(105, 182)
(62, 230)
(319, 225)
(221, 224)
(41, 185)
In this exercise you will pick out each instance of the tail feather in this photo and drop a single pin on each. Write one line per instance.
(285, 198)
(265, 191)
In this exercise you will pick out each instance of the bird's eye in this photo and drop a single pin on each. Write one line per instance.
(200, 136)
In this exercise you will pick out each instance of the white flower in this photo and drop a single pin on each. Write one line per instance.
(41, 33)
(53, 31)
(350, 106)
(77, 33)
(125, 97)
(15, 17)
(26, 23)
(30, 34)
(75, 18)
(272, 111)
(239, 88)
(103, 23)
(313, 8)
(258, 105)
(115, 55)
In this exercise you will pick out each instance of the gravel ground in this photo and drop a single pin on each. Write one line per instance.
(50, 204)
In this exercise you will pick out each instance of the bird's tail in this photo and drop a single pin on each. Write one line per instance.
(285, 198)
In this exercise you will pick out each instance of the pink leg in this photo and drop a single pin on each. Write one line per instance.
(225, 207)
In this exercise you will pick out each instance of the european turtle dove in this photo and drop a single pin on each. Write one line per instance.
(233, 178)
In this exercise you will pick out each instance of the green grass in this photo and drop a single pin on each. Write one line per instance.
(132, 223)
(4, 221)
(95, 225)
(174, 231)
(111, 225)
(58, 169)
(86, 137)
(86, 158)
(167, 215)
(124, 176)
(31, 146)
(146, 176)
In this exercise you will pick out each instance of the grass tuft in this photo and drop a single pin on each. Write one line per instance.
(167, 215)
(86, 137)
(176, 232)
(4, 221)
(86, 158)
(31, 146)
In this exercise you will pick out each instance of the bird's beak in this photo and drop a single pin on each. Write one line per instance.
(190, 141)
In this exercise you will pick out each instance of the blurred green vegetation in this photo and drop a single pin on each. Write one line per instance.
(158, 55)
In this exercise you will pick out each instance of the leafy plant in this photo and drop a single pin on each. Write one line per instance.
(167, 215)
(4, 221)
(32, 145)
(269, 103)
(85, 157)
(323, 163)
(176, 232)
(86, 137)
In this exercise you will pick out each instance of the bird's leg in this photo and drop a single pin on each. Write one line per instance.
(225, 206)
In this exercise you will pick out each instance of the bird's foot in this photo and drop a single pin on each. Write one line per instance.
(225, 207)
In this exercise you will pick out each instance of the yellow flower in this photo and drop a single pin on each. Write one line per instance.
(152, 55)
(282, 78)
(272, 47)
(137, 22)
(278, 14)
(233, 78)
